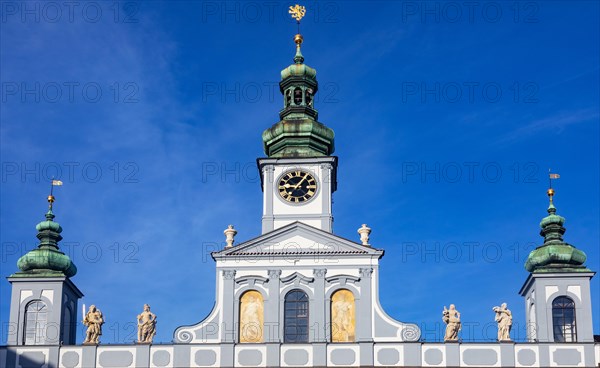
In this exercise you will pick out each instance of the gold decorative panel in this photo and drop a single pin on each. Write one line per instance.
(343, 316)
(251, 317)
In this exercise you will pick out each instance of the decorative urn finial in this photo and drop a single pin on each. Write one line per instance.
(230, 233)
(364, 232)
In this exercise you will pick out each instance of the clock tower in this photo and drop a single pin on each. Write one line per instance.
(298, 176)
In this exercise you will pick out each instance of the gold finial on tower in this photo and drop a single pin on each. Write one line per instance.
(50, 201)
(298, 12)
(51, 197)
(550, 191)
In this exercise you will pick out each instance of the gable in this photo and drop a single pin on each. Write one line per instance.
(298, 239)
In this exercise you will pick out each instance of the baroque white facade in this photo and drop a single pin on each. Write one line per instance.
(298, 257)
(298, 295)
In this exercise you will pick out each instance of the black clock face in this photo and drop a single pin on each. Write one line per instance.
(297, 186)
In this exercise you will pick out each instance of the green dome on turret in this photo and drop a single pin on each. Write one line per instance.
(298, 133)
(49, 224)
(299, 70)
(46, 260)
(555, 255)
(298, 138)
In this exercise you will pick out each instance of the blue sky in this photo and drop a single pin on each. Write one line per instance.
(447, 118)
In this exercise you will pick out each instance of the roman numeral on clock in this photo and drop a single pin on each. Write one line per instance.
(297, 186)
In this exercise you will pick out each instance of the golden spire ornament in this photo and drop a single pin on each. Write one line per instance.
(51, 196)
(298, 12)
(550, 191)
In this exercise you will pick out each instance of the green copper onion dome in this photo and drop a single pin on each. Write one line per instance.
(555, 255)
(299, 69)
(46, 260)
(298, 133)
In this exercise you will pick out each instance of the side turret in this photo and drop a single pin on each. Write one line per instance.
(557, 291)
(43, 306)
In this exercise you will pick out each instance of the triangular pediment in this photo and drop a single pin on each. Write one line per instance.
(298, 239)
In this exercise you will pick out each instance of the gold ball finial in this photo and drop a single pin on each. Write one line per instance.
(298, 39)
(550, 193)
(50, 201)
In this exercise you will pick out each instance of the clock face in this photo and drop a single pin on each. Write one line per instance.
(297, 186)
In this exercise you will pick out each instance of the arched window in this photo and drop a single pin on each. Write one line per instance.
(343, 321)
(36, 317)
(251, 317)
(563, 319)
(308, 97)
(297, 97)
(295, 317)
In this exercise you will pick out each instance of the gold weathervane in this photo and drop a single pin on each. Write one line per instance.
(51, 196)
(298, 12)
(550, 191)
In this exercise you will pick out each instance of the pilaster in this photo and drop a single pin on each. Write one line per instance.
(268, 221)
(364, 315)
(272, 312)
(229, 323)
(318, 330)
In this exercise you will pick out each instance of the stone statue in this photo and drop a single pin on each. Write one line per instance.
(504, 319)
(146, 322)
(93, 320)
(451, 318)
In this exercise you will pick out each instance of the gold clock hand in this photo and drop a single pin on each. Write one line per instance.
(300, 182)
